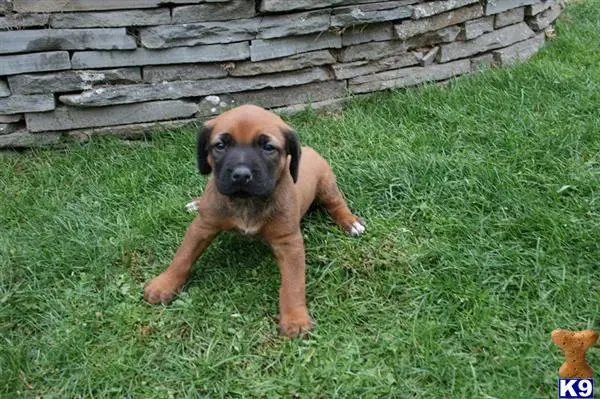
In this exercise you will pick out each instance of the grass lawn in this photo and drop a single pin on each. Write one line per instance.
(483, 210)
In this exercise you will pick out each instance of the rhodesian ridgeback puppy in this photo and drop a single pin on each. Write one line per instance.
(262, 182)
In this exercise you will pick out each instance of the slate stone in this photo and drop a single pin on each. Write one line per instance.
(288, 5)
(191, 88)
(372, 51)
(490, 41)
(368, 33)
(359, 68)
(408, 76)
(497, 6)
(65, 81)
(509, 17)
(6, 128)
(154, 74)
(276, 48)
(65, 39)
(478, 27)
(178, 55)
(429, 57)
(482, 61)
(234, 9)
(24, 6)
(35, 62)
(409, 29)
(110, 19)
(538, 7)
(369, 13)
(444, 35)
(11, 118)
(291, 63)
(68, 118)
(335, 104)
(130, 131)
(544, 19)
(430, 8)
(273, 26)
(4, 90)
(19, 103)
(26, 139)
(20, 21)
(519, 52)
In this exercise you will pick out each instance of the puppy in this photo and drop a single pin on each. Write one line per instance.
(262, 184)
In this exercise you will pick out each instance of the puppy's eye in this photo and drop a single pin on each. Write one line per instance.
(268, 148)
(220, 146)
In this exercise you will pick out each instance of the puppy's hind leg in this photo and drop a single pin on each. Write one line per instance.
(329, 194)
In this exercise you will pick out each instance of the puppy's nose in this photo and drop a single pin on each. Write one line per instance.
(241, 174)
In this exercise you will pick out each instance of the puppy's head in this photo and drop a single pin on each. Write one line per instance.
(247, 148)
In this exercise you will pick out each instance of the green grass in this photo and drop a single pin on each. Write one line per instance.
(482, 201)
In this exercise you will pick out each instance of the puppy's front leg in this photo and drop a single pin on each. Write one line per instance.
(293, 315)
(164, 287)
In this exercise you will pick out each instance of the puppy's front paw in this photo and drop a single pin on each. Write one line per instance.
(162, 289)
(192, 206)
(295, 323)
(357, 227)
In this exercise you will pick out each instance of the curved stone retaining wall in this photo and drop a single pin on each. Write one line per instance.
(74, 68)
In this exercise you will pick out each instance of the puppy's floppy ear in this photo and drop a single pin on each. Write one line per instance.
(203, 138)
(292, 147)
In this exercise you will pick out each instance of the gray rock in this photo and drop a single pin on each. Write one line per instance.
(490, 41)
(538, 7)
(165, 36)
(359, 68)
(191, 88)
(428, 58)
(370, 13)
(444, 35)
(519, 52)
(11, 118)
(4, 90)
(131, 131)
(509, 17)
(478, 27)
(372, 51)
(408, 76)
(497, 6)
(368, 33)
(272, 26)
(234, 9)
(110, 19)
(178, 55)
(26, 139)
(276, 48)
(68, 118)
(65, 39)
(326, 105)
(36, 62)
(5, 6)
(291, 63)
(24, 6)
(18, 103)
(482, 61)
(6, 128)
(65, 81)
(409, 29)
(154, 74)
(544, 19)
(20, 21)
(437, 7)
(287, 5)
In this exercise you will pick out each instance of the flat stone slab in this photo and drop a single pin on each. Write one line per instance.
(110, 19)
(291, 63)
(11, 118)
(543, 20)
(68, 118)
(358, 34)
(366, 67)
(24, 6)
(276, 48)
(335, 104)
(430, 8)
(233, 9)
(287, 5)
(372, 51)
(35, 62)
(370, 13)
(444, 35)
(19, 103)
(65, 81)
(519, 52)
(412, 28)
(20, 21)
(177, 55)
(478, 27)
(538, 7)
(133, 131)
(25, 140)
(155, 74)
(65, 39)
(172, 90)
(490, 41)
(497, 6)
(4, 90)
(6, 128)
(273, 26)
(509, 17)
(408, 76)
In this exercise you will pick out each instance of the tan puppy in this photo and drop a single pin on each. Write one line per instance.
(262, 184)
